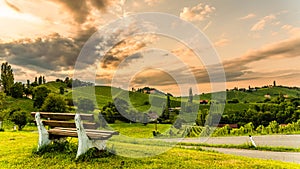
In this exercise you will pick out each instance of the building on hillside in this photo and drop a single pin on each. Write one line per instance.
(203, 102)
(233, 126)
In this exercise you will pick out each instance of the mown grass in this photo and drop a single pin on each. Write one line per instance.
(17, 152)
(138, 130)
(243, 146)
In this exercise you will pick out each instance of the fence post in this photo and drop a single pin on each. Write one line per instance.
(252, 141)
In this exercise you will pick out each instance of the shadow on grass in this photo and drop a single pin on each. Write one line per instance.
(68, 150)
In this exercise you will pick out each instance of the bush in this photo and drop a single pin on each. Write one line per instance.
(39, 95)
(20, 118)
(54, 103)
(223, 131)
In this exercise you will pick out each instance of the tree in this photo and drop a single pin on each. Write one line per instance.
(54, 103)
(20, 118)
(17, 90)
(168, 102)
(28, 90)
(7, 78)
(61, 90)
(191, 96)
(44, 80)
(39, 95)
(40, 80)
(201, 117)
(28, 83)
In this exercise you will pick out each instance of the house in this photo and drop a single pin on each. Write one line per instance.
(233, 126)
(203, 102)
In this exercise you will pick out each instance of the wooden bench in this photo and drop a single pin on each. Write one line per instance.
(63, 125)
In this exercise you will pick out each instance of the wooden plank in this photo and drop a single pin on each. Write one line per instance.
(64, 116)
(73, 133)
(68, 124)
(90, 130)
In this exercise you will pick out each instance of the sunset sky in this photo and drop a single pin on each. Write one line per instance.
(257, 41)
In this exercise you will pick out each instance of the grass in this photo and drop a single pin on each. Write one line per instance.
(16, 152)
(138, 130)
(243, 146)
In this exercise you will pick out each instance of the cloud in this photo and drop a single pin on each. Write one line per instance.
(124, 49)
(197, 13)
(237, 69)
(222, 42)
(293, 31)
(12, 6)
(249, 16)
(80, 9)
(52, 52)
(152, 2)
(260, 25)
(207, 25)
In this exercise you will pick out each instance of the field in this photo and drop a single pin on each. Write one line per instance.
(16, 152)
(138, 130)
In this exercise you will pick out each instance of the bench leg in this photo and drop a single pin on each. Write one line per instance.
(84, 143)
(43, 134)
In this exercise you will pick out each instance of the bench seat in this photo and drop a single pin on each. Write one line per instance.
(72, 132)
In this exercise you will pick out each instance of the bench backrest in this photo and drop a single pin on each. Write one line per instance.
(66, 120)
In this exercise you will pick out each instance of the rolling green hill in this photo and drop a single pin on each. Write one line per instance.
(142, 102)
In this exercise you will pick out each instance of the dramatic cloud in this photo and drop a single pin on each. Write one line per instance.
(52, 52)
(80, 9)
(249, 16)
(197, 13)
(236, 69)
(260, 25)
(121, 51)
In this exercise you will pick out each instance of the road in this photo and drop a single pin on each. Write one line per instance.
(266, 140)
(281, 156)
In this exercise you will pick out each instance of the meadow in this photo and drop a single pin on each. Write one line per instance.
(17, 152)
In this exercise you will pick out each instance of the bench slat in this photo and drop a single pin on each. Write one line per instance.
(90, 130)
(68, 124)
(64, 116)
(73, 133)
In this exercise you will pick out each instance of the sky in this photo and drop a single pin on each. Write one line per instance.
(256, 42)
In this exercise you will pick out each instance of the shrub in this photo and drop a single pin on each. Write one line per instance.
(39, 95)
(223, 131)
(54, 103)
(20, 118)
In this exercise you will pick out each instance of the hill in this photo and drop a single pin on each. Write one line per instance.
(258, 94)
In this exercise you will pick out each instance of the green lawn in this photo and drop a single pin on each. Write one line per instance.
(138, 130)
(16, 152)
